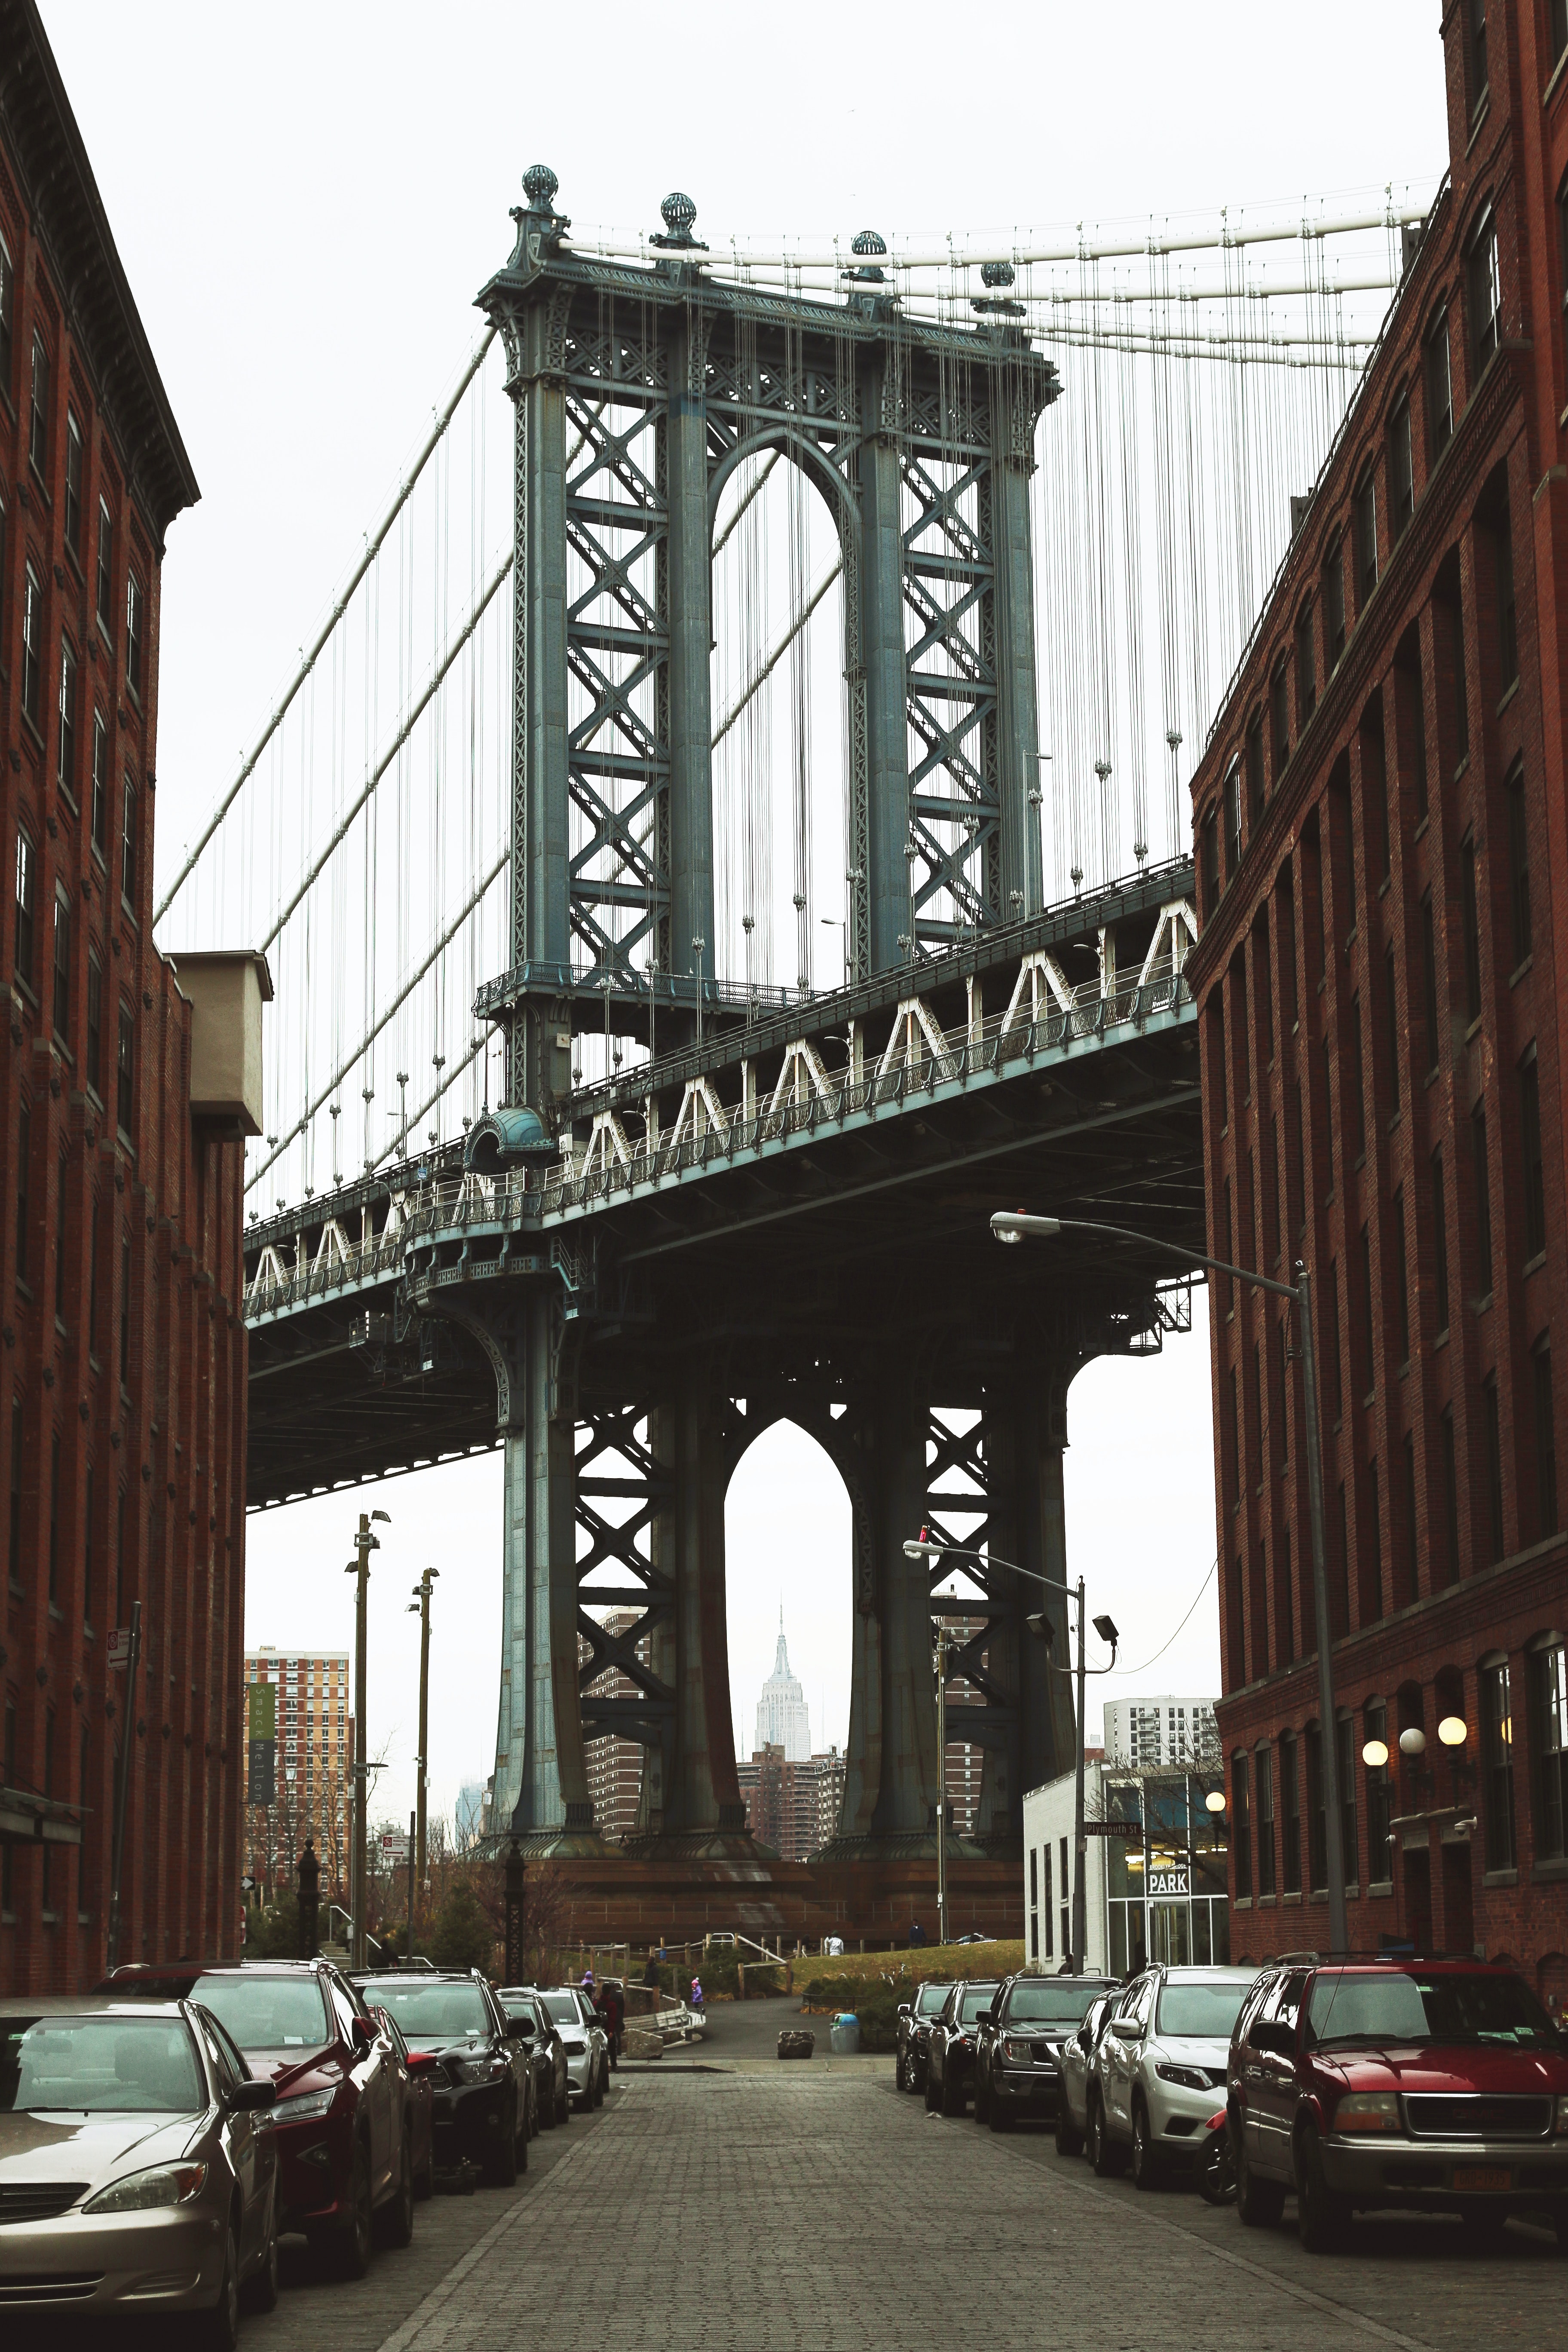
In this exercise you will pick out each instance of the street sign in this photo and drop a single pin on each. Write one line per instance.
(1170, 1882)
(263, 1700)
(120, 1650)
(394, 1849)
(1133, 1830)
(261, 1782)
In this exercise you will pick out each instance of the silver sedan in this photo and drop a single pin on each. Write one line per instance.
(137, 2165)
(587, 2043)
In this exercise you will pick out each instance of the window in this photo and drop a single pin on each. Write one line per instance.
(1209, 844)
(38, 409)
(26, 873)
(7, 316)
(1450, 1467)
(1401, 465)
(1545, 1441)
(1486, 293)
(24, 1171)
(62, 966)
(125, 1107)
(100, 785)
(1379, 1836)
(1265, 1763)
(14, 1556)
(1557, 15)
(73, 484)
(1241, 1827)
(1469, 915)
(1450, 600)
(1483, 1200)
(55, 1520)
(1477, 52)
(1290, 1816)
(1279, 716)
(105, 570)
(1411, 1565)
(87, 1555)
(1306, 667)
(94, 1025)
(1238, 1618)
(1317, 1811)
(1493, 1431)
(1439, 390)
(1364, 525)
(1255, 782)
(66, 757)
(1497, 1763)
(1411, 706)
(61, 1191)
(1401, 1279)
(1503, 587)
(92, 1278)
(1534, 1174)
(33, 649)
(1336, 1377)
(1439, 1245)
(127, 845)
(1358, 1091)
(1345, 1755)
(1232, 821)
(124, 1327)
(133, 610)
(1429, 981)
(1550, 1727)
(1334, 604)
(1391, 1015)
(1518, 865)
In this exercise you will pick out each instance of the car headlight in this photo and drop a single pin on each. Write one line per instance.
(1367, 2111)
(1559, 2129)
(1191, 2078)
(162, 2184)
(573, 2048)
(479, 2070)
(1022, 2052)
(302, 2109)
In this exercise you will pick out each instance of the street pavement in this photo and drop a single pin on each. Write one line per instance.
(790, 2208)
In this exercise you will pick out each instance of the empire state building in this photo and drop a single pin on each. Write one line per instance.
(782, 1718)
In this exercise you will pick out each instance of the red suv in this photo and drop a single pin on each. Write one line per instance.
(1437, 2085)
(346, 2154)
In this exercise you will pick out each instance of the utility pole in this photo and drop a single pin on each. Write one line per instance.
(421, 1602)
(1081, 1842)
(941, 1650)
(365, 1542)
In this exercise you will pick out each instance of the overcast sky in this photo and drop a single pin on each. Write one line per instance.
(305, 200)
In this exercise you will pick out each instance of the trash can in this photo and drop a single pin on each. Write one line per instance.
(843, 2035)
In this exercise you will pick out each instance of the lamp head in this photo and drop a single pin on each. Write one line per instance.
(922, 1551)
(384, 1516)
(1012, 1225)
(1215, 1801)
(1106, 1628)
(1453, 1731)
(1375, 1754)
(1412, 1742)
(1040, 1625)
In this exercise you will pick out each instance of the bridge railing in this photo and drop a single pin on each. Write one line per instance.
(919, 1058)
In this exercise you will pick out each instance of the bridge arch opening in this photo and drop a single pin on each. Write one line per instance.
(780, 726)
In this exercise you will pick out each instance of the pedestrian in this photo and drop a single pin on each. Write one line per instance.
(588, 1983)
(697, 1992)
(614, 2012)
(650, 1975)
(916, 1936)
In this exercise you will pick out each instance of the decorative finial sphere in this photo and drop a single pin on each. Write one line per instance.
(538, 185)
(868, 241)
(678, 212)
(996, 273)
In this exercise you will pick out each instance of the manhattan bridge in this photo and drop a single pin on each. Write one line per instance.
(665, 804)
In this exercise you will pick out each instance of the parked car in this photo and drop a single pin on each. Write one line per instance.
(950, 2050)
(483, 2073)
(417, 2068)
(138, 2172)
(587, 2045)
(1075, 2063)
(916, 2019)
(344, 2159)
(1018, 2044)
(1438, 2086)
(553, 2084)
(1161, 2059)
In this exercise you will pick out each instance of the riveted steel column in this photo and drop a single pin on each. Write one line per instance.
(863, 1747)
(689, 619)
(911, 1776)
(1028, 1501)
(1018, 708)
(882, 660)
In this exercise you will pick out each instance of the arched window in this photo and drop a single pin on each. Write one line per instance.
(1484, 291)
(1495, 1704)
(1549, 1742)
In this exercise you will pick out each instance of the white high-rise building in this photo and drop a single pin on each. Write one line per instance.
(1154, 1734)
(783, 1721)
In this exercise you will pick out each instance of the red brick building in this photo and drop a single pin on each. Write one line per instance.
(122, 1112)
(1383, 845)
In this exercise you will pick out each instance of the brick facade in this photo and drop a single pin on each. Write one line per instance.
(123, 1405)
(1382, 833)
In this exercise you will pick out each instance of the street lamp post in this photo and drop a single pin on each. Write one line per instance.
(1013, 1226)
(1103, 1626)
(943, 1646)
(420, 1606)
(365, 1542)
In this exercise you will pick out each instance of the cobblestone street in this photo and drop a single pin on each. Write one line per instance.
(788, 2207)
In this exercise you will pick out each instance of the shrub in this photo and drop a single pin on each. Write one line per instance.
(462, 1937)
(273, 1932)
(878, 2010)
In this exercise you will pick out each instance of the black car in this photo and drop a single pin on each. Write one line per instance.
(916, 2019)
(552, 2082)
(950, 2046)
(484, 2080)
(1018, 2047)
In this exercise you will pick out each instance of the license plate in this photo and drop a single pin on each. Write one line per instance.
(1481, 2177)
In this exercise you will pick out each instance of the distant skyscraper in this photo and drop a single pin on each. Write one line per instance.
(783, 1721)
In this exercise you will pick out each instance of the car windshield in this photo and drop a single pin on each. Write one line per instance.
(263, 2012)
(1501, 2010)
(973, 2000)
(929, 1999)
(1205, 2012)
(1049, 2004)
(436, 2010)
(563, 2007)
(106, 2065)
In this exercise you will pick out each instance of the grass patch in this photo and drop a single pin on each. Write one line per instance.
(901, 1972)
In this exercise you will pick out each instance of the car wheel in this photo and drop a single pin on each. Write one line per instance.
(564, 2105)
(548, 2117)
(526, 2134)
(1069, 2139)
(982, 2098)
(356, 2233)
(1258, 2202)
(1145, 2155)
(601, 2085)
(929, 2090)
(951, 2100)
(217, 2329)
(395, 2219)
(998, 2113)
(900, 2074)
(260, 2292)
(501, 2169)
(424, 2179)
(1103, 2153)
(1322, 2216)
(1486, 2228)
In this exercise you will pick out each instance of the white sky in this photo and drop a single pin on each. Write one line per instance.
(305, 200)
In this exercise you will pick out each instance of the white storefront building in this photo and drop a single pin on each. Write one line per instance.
(1154, 1867)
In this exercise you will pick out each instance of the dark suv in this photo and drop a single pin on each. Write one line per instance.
(1440, 2085)
(345, 2157)
(916, 2019)
(949, 2052)
(1017, 2052)
(484, 2077)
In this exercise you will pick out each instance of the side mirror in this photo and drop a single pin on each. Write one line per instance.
(1278, 2040)
(248, 2098)
(906, 2008)
(364, 2033)
(985, 2017)
(420, 2060)
(520, 2028)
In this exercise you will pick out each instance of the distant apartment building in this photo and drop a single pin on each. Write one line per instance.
(302, 1789)
(791, 1803)
(965, 1759)
(1153, 1734)
(614, 1765)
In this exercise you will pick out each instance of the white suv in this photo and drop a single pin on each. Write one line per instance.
(1160, 2069)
